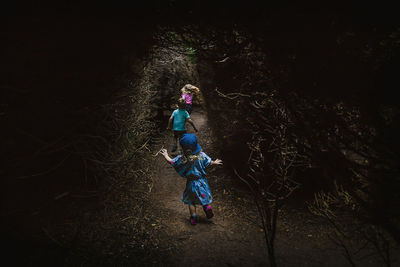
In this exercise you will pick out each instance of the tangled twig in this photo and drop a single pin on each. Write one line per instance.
(230, 95)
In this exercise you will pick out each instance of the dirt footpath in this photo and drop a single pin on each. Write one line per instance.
(232, 237)
(220, 241)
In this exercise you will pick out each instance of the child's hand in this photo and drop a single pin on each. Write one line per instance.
(164, 152)
(217, 162)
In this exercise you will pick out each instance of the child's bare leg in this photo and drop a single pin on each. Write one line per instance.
(192, 209)
(193, 216)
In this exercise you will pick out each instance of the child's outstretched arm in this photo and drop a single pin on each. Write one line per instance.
(170, 122)
(216, 162)
(164, 152)
(191, 123)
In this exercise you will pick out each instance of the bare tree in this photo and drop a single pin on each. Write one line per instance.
(272, 160)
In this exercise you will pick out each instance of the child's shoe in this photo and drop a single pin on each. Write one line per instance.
(193, 219)
(208, 211)
(174, 148)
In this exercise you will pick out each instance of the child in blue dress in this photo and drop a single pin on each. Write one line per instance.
(191, 165)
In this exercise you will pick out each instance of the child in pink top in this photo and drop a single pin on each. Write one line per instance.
(187, 94)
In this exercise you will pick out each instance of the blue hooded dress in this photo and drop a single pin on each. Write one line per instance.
(197, 190)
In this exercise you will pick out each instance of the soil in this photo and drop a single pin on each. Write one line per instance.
(232, 237)
(222, 240)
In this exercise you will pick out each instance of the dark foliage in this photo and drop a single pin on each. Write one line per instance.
(331, 72)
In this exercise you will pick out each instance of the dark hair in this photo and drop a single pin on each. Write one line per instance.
(181, 103)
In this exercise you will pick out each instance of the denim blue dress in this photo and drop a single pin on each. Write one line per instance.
(197, 190)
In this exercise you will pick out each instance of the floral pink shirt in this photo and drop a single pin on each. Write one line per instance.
(188, 98)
